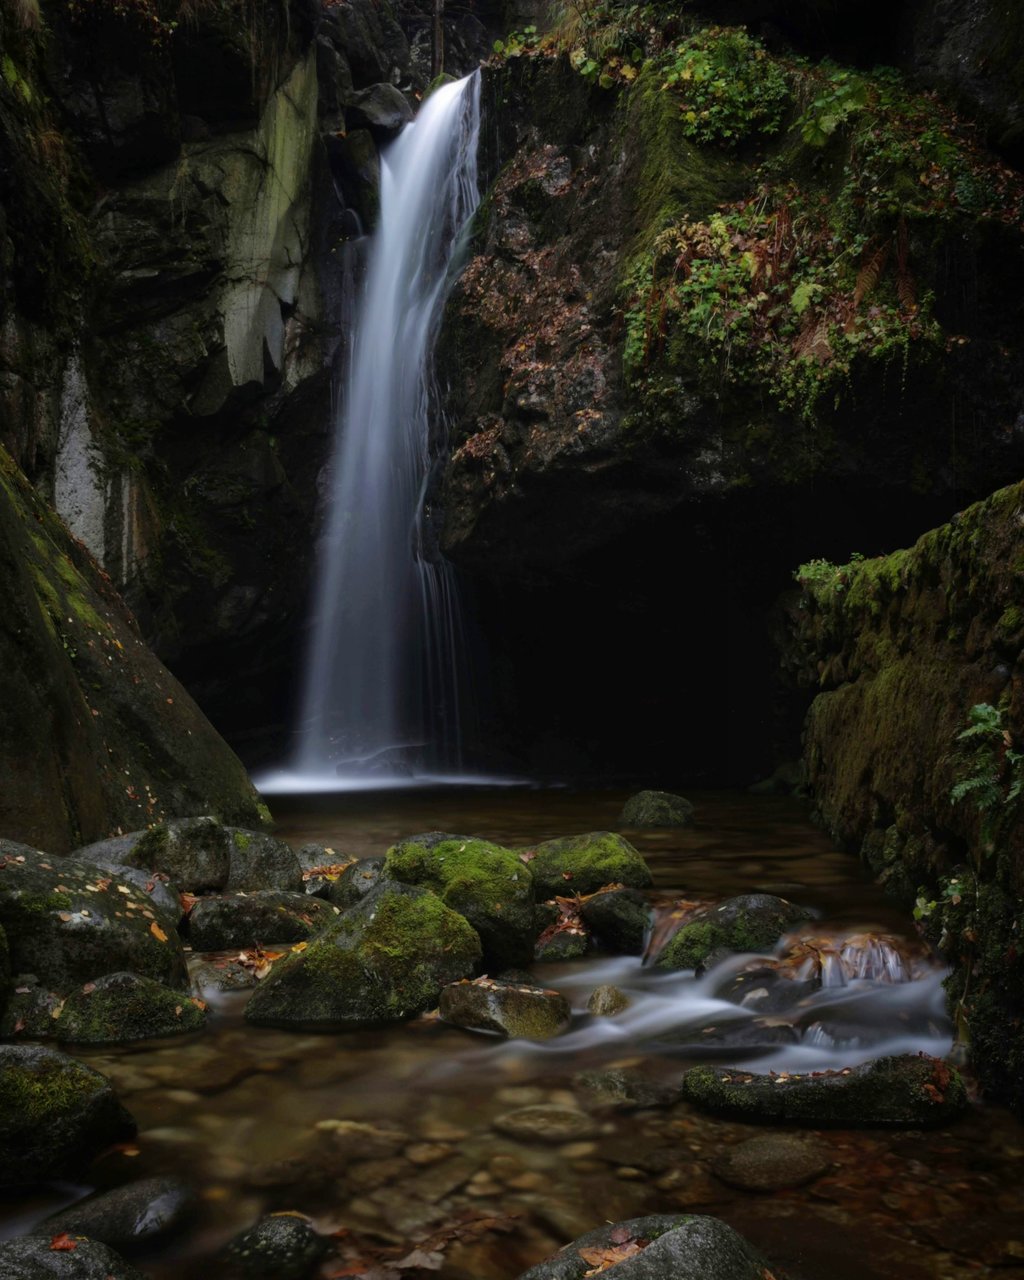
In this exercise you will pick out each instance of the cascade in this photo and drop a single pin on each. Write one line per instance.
(385, 668)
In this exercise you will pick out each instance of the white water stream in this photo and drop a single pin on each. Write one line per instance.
(384, 676)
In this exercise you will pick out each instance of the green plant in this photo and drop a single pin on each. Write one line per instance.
(517, 42)
(842, 94)
(993, 772)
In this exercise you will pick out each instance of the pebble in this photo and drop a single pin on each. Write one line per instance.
(549, 1123)
(771, 1162)
(521, 1095)
(575, 1150)
(427, 1152)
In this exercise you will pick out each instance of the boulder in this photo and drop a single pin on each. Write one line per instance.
(751, 922)
(382, 961)
(656, 809)
(626, 1090)
(56, 1114)
(662, 1247)
(321, 866)
(771, 1162)
(899, 1092)
(243, 920)
(606, 1001)
(562, 944)
(202, 855)
(355, 882)
(491, 886)
(519, 1012)
(129, 1215)
(32, 1258)
(108, 855)
(32, 1011)
(69, 922)
(584, 864)
(278, 1247)
(381, 108)
(122, 1007)
(619, 920)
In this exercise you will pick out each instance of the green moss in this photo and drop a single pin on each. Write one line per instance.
(123, 1008)
(690, 945)
(242, 840)
(42, 903)
(35, 1096)
(584, 864)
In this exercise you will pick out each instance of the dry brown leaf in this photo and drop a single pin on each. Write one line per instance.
(157, 932)
(63, 1243)
(602, 1259)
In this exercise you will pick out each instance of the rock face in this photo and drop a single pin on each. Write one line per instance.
(904, 655)
(618, 919)
(55, 1115)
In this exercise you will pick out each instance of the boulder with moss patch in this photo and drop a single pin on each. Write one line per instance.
(56, 1114)
(242, 920)
(122, 1007)
(656, 809)
(355, 882)
(519, 1012)
(491, 886)
(586, 863)
(201, 855)
(751, 922)
(383, 961)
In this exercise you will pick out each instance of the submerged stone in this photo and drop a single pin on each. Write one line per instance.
(521, 1012)
(586, 863)
(243, 920)
(606, 1001)
(626, 1090)
(127, 1215)
(771, 1162)
(751, 922)
(656, 809)
(122, 1007)
(546, 1123)
(33, 1258)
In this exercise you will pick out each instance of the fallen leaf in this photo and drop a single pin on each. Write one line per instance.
(63, 1243)
(602, 1259)
(528, 855)
(157, 932)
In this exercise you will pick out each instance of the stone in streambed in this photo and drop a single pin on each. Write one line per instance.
(584, 864)
(201, 855)
(546, 1123)
(565, 944)
(675, 1247)
(279, 1247)
(382, 961)
(900, 1092)
(223, 921)
(751, 922)
(626, 1090)
(528, 1012)
(32, 1258)
(618, 919)
(491, 886)
(122, 1007)
(606, 1001)
(55, 1115)
(355, 883)
(656, 809)
(128, 1215)
(771, 1162)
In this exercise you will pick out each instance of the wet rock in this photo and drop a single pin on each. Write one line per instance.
(584, 864)
(201, 855)
(322, 867)
(564, 944)
(771, 1163)
(55, 1115)
(31, 1011)
(381, 108)
(223, 975)
(901, 1092)
(491, 886)
(127, 1215)
(355, 883)
(382, 961)
(606, 1001)
(356, 1139)
(69, 923)
(221, 922)
(529, 1013)
(122, 1007)
(278, 1247)
(766, 990)
(626, 1090)
(618, 919)
(31, 1258)
(546, 1123)
(5, 972)
(656, 809)
(676, 1247)
(751, 922)
(746, 1037)
(106, 855)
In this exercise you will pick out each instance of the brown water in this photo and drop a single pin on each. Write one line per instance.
(387, 1137)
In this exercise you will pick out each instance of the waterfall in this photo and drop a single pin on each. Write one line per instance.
(385, 664)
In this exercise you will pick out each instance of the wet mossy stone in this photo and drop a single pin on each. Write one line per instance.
(656, 809)
(123, 1007)
(355, 883)
(32, 1258)
(606, 1001)
(900, 1092)
(201, 855)
(108, 855)
(618, 919)
(127, 1216)
(491, 886)
(69, 922)
(519, 1012)
(56, 1114)
(584, 864)
(751, 922)
(682, 1247)
(566, 944)
(278, 1247)
(315, 860)
(384, 960)
(623, 1089)
(243, 920)
(32, 1011)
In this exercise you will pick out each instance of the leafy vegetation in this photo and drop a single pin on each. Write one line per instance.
(992, 776)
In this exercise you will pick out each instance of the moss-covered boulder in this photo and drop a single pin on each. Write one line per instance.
(751, 922)
(243, 920)
(618, 919)
(664, 1247)
(584, 864)
(70, 922)
(519, 1012)
(122, 1007)
(202, 855)
(33, 1258)
(556, 945)
(491, 886)
(55, 1115)
(355, 882)
(382, 961)
(656, 809)
(900, 1092)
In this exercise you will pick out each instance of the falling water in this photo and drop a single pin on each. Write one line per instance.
(382, 681)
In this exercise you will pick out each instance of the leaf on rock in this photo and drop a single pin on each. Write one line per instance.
(527, 855)
(63, 1243)
(157, 932)
(618, 1251)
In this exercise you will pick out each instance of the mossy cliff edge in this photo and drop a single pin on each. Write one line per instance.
(912, 746)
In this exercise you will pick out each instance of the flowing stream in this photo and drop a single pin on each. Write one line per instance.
(385, 670)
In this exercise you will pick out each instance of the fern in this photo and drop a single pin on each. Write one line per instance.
(870, 272)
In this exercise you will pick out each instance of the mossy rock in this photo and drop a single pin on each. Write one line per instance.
(68, 922)
(584, 864)
(201, 855)
(243, 920)
(619, 920)
(121, 1007)
(33, 1258)
(682, 1247)
(565, 944)
(751, 922)
(900, 1092)
(656, 809)
(491, 886)
(383, 961)
(55, 1115)
(518, 1012)
(355, 883)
